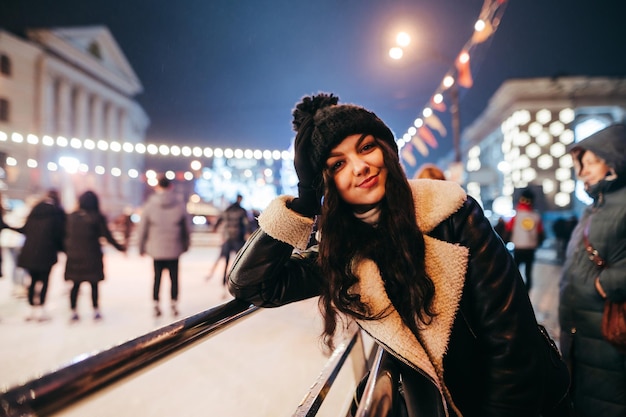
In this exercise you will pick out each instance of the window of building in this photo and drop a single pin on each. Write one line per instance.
(94, 49)
(5, 65)
(4, 110)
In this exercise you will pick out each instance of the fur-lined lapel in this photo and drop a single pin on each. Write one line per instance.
(446, 264)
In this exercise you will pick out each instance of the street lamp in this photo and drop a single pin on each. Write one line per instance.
(403, 39)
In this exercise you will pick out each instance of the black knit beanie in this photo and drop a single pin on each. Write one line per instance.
(322, 124)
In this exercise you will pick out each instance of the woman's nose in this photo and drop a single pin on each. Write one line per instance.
(359, 167)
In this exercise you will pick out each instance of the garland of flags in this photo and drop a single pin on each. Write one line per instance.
(420, 136)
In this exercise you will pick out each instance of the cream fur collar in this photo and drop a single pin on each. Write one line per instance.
(446, 264)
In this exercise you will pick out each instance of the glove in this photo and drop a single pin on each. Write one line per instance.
(308, 201)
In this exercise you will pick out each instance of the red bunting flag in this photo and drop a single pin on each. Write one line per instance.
(464, 78)
(440, 106)
(420, 145)
(435, 123)
(427, 136)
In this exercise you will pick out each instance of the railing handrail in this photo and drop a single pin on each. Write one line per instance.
(381, 395)
(53, 391)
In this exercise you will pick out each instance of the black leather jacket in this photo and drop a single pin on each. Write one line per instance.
(497, 362)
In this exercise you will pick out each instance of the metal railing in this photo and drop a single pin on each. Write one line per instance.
(54, 391)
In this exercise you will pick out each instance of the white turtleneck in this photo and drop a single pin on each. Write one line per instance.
(370, 217)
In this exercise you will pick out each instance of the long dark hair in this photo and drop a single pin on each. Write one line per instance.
(396, 245)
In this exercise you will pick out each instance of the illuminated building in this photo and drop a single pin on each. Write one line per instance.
(521, 138)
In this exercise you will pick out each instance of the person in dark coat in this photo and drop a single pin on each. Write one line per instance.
(44, 231)
(598, 368)
(235, 220)
(85, 227)
(415, 264)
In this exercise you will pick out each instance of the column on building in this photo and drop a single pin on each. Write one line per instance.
(96, 111)
(111, 132)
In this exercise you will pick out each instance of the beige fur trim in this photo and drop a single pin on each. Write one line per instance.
(284, 224)
(435, 201)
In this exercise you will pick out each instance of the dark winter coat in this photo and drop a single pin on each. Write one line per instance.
(82, 246)
(44, 230)
(599, 369)
(481, 356)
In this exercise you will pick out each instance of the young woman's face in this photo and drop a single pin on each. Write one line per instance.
(593, 169)
(358, 169)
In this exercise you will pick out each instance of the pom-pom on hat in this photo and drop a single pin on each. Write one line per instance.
(322, 124)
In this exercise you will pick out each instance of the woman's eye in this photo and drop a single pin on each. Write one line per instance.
(336, 166)
(368, 146)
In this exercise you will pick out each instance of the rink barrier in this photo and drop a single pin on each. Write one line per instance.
(56, 390)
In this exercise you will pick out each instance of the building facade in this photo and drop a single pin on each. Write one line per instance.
(521, 139)
(68, 116)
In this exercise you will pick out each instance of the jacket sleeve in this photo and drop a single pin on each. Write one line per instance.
(501, 316)
(106, 233)
(267, 271)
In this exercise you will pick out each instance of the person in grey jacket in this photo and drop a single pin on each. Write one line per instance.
(598, 368)
(164, 235)
(414, 263)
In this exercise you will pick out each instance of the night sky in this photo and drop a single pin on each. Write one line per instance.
(228, 72)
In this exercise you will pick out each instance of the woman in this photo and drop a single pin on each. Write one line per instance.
(85, 227)
(598, 369)
(416, 264)
(44, 231)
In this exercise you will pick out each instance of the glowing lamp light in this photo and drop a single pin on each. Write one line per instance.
(403, 39)
(103, 145)
(128, 147)
(164, 150)
(52, 166)
(276, 155)
(268, 173)
(267, 155)
(140, 148)
(188, 175)
(32, 139)
(170, 175)
(248, 154)
(533, 150)
(543, 139)
(396, 53)
(186, 151)
(10, 161)
(418, 123)
(69, 164)
(152, 149)
(116, 172)
(567, 115)
(544, 116)
(448, 81)
(563, 174)
(195, 165)
(133, 173)
(175, 150)
(228, 153)
(545, 161)
(47, 140)
(3, 136)
(258, 154)
(31, 163)
(535, 128)
(411, 132)
(76, 143)
(89, 144)
(567, 137)
(99, 169)
(548, 186)
(115, 146)
(208, 152)
(556, 128)
(197, 151)
(562, 199)
(17, 137)
(151, 173)
(218, 152)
